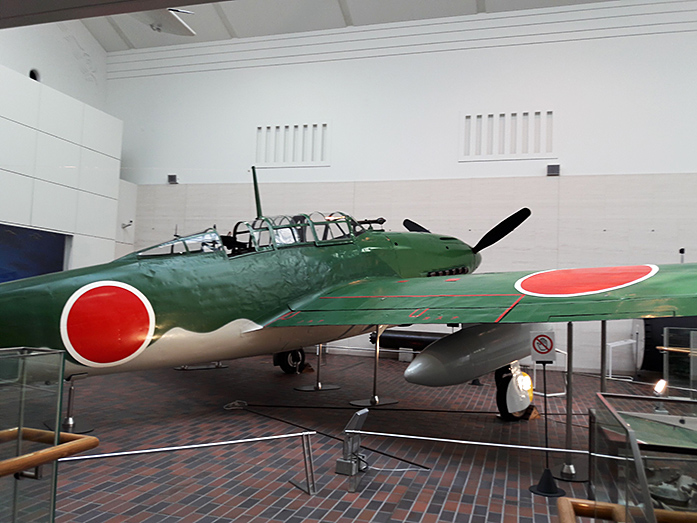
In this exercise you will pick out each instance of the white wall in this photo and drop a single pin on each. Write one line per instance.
(66, 55)
(617, 79)
(126, 216)
(577, 221)
(59, 167)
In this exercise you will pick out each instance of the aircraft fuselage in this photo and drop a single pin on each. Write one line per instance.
(150, 310)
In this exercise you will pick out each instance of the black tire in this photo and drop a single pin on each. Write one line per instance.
(292, 361)
(503, 378)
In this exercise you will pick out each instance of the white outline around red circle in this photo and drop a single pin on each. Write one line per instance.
(104, 283)
(519, 288)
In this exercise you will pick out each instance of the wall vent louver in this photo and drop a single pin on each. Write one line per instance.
(515, 135)
(293, 145)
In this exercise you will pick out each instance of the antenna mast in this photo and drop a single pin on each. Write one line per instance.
(257, 199)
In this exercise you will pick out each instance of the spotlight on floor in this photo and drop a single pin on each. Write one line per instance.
(658, 390)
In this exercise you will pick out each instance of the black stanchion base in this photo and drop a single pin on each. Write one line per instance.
(317, 388)
(373, 402)
(579, 474)
(210, 366)
(547, 486)
(75, 428)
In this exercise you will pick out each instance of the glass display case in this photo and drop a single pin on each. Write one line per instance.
(30, 400)
(643, 456)
(679, 361)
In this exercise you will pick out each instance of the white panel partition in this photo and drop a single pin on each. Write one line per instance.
(102, 133)
(89, 250)
(90, 206)
(57, 160)
(99, 174)
(15, 197)
(60, 115)
(19, 99)
(18, 151)
(54, 207)
(59, 167)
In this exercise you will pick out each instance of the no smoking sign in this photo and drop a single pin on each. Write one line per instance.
(542, 347)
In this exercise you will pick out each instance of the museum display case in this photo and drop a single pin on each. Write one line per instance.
(679, 365)
(30, 400)
(643, 456)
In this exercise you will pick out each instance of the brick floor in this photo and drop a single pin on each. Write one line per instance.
(408, 480)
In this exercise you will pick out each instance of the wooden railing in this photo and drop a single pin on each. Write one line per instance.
(570, 508)
(683, 350)
(68, 445)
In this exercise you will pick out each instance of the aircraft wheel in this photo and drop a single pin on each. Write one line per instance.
(503, 377)
(292, 361)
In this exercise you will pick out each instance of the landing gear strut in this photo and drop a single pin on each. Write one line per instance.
(291, 362)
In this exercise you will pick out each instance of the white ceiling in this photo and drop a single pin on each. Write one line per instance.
(117, 31)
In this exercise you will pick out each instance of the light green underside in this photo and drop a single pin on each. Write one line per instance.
(490, 298)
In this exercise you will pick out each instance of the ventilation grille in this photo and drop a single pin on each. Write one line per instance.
(507, 136)
(300, 145)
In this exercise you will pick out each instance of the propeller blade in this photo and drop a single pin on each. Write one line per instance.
(502, 229)
(413, 226)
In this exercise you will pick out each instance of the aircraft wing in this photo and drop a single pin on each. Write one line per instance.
(604, 293)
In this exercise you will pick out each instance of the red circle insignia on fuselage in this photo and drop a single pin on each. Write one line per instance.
(107, 323)
(559, 283)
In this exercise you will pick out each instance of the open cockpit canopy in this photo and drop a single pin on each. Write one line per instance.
(206, 241)
(266, 233)
(274, 232)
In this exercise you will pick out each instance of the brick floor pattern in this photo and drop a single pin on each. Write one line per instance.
(408, 480)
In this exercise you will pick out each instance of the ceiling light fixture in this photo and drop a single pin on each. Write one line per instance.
(166, 21)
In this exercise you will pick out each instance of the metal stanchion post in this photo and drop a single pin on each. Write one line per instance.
(318, 382)
(309, 465)
(69, 424)
(309, 486)
(603, 356)
(375, 400)
(666, 364)
(546, 486)
(568, 470)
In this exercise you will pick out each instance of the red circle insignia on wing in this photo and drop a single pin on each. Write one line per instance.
(107, 323)
(581, 282)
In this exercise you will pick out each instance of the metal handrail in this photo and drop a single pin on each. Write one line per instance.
(306, 447)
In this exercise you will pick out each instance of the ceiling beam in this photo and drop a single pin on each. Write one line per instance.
(346, 12)
(14, 13)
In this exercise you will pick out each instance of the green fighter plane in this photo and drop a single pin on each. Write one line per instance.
(277, 284)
